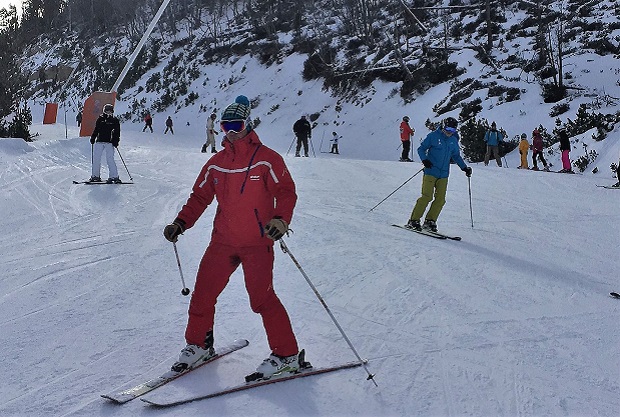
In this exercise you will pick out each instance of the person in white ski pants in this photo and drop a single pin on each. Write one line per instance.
(98, 149)
(105, 138)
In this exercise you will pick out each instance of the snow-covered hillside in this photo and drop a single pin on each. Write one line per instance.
(194, 79)
(513, 320)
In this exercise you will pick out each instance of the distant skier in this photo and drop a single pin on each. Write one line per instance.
(334, 140)
(406, 133)
(78, 118)
(565, 148)
(492, 138)
(524, 147)
(148, 122)
(169, 125)
(436, 151)
(105, 138)
(211, 132)
(303, 132)
(256, 197)
(537, 151)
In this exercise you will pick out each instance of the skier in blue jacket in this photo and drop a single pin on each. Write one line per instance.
(493, 137)
(436, 151)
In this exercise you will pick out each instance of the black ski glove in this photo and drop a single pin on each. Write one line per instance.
(427, 163)
(173, 230)
(276, 228)
(467, 171)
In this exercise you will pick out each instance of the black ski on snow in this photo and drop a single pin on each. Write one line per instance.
(436, 235)
(614, 294)
(304, 372)
(121, 397)
(609, 187)
(100, 182)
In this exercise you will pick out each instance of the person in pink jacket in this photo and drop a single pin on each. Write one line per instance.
(256, 197)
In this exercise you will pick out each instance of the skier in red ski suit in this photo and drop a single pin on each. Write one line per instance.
(256, 197)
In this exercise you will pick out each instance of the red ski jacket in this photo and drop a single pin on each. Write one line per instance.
(252, 185)
(405, 131)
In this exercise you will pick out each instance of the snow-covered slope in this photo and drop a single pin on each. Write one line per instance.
(513, 320)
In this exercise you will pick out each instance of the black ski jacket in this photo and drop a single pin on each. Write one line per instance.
(107, 129)
(302, 128)
(564, 141)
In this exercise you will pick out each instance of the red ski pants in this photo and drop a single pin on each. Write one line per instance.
(217, 265)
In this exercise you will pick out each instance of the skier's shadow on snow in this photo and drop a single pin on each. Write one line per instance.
(295, 396)
(104, 195)
(526, 268)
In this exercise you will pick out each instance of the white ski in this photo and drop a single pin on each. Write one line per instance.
(126, 395)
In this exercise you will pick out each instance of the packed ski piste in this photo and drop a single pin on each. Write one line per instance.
(246, 178)
(214, 364)
(256, 197)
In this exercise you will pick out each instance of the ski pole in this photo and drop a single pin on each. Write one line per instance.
(312, 147)
(422, 169)
(289, 148)
(119, 154)
(185, 290)
(291, 145)
(286, 250)
(471, 211)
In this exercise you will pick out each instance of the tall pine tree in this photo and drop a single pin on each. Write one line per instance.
(11, 80)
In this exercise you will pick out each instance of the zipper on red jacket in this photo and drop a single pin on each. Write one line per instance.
(260, 225)
(247, 172)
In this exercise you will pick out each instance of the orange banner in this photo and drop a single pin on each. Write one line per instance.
(93, 107)
(51, 110)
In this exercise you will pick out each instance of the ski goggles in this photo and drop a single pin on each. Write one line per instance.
(234, 126)
(450, 129)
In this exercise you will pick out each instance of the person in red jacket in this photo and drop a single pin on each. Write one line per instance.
(148, 122)
(406, 133)
(256, 197)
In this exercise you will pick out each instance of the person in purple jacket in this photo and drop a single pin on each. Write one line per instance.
(537, 150)
(436, 151)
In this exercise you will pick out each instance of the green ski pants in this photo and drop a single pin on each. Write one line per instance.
(430, 186)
